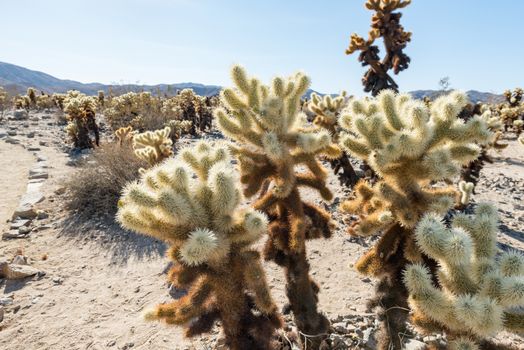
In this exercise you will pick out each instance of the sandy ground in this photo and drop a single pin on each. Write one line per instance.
(97, 285)
(15, 163)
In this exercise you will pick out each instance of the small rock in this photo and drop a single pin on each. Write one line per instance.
(25, 211)
(6, 301)
(60, 190)
(13, 271)
(340, 327)
(20, 114)
(1, 313)
(33, 148)
(13, 234)
(57, 280)
(40, 215)
(413, 344)
(12, 140)
(11, 132)
(15, 225)
(24, 230)
(31, 134)
(369, 340)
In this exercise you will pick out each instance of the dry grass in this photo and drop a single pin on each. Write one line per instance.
(95, 188)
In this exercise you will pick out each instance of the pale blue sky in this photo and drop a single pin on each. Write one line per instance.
(477, 43)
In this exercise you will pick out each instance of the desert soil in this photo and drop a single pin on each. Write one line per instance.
(97, 281)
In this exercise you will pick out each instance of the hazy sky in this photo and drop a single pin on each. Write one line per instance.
(477, 43)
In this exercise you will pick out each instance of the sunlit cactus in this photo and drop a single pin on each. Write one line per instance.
(124, 135)
(465, 189)
(44, 102)
(80, 110)
(327, 110)
(272, 138)
(411, 148)
(478, 293)
(192, 202)
(386, 24)
(59, 100)
(178, 128)
(129, 108)
(153, 146)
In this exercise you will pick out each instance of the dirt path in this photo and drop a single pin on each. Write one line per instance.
(15, 163)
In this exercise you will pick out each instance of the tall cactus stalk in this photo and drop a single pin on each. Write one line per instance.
(272, 139)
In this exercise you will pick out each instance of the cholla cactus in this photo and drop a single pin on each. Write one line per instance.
(129, 108)
(179, 127)
(327, 111)
(101, 98)
(410, 147)
(4, 101)
(153, 146)
(192, 203)
(513, 98)
(386, 24)
(465, 190)
(124, 135)
(476, 291)
(272, 139)
(80, 110)
(44, 102)
(59, 100)
(31, 94)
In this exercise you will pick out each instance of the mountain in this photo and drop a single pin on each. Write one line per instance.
(473, 95)
(18, 79)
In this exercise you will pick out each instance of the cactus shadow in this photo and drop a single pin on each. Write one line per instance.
(123, 245)
(512, 233)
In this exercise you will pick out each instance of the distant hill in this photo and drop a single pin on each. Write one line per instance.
(474, 95)
(18, 79)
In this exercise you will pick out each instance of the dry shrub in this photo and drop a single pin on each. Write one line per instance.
(95, 188)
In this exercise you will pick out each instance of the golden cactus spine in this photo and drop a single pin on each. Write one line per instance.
(386, 24)
(410, 147)
(478, 294)
(192, 202)
(153, 146)
(272, 138)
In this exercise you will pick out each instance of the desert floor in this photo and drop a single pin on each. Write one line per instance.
(96, 280)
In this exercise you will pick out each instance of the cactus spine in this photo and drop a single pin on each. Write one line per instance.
(410, 147)
(477, 294)
(272, 138)
(192, 203)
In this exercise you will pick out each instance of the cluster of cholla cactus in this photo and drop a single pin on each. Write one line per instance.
(513, 98)
(326, 112)
(44, 102)
(151, 146)
(411, 148)
(477, 293)
(192, 203)
(386, 24)
(272, 139)
(188, 106)
(511, 112)
(81, 111)
(59, 99)
(130, 109)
